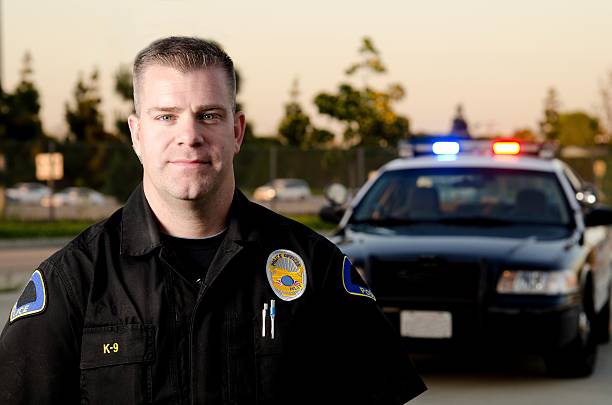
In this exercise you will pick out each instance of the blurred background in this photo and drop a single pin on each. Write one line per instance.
(328, 88)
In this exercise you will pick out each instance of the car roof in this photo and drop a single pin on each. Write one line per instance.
(475, 161)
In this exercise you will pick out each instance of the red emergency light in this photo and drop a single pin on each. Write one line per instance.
(506, 147)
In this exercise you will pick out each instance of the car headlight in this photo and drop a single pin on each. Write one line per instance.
(537, 282)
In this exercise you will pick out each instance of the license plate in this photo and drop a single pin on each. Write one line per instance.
(426, 324)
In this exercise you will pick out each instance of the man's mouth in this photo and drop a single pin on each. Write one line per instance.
(189, 162)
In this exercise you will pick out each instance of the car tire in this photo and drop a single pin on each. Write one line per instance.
(603, 323)
(577, 358)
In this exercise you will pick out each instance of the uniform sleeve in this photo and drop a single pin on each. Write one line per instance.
(368, 361)
(39, 355)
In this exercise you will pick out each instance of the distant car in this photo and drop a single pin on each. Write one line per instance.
(27, 193)
(282, 189)
(73, 196)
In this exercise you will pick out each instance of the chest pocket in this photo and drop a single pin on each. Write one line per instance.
(273, 364)
(116, 364)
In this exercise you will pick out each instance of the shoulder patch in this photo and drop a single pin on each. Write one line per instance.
(348, 281)
(286, 274)
(33, 299)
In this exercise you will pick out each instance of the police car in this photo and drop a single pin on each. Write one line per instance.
(471, 243)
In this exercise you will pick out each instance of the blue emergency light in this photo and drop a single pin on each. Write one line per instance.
(445, 148)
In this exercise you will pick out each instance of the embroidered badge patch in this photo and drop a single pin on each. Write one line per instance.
(286, 274)
(349, 285)
(33, 299)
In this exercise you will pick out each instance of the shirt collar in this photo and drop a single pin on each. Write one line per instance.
(140, 231)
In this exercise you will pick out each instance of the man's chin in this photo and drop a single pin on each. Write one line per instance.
(191, 194)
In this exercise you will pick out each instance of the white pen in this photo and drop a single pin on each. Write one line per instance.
(272, 316)
(264, 313)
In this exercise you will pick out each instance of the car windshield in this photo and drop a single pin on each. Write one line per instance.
(464, 196)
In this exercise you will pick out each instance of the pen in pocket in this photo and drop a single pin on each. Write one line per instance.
(264, 313)
(272, 316)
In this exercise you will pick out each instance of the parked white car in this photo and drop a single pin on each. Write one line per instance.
(282, 189)
(72, 196)
(27, 193)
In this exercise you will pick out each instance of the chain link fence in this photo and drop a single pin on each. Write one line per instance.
(113, 168)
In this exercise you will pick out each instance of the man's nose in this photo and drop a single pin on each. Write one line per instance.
(190, 132)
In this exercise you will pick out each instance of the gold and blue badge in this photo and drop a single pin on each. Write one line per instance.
(33, 299)
(286, 274)
(350, 278)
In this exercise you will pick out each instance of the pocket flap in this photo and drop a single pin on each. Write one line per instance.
(117, 344)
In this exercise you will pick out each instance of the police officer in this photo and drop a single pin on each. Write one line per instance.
(191, 294)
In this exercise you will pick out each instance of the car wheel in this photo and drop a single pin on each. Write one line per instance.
(577, 358)
(603, 323)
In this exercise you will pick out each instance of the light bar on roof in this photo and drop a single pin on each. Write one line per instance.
(506, 148)
(445, 148)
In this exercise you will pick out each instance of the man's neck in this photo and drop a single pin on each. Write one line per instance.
(190, 219)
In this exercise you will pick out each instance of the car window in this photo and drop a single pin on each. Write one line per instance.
(465, 193)
(296, 183)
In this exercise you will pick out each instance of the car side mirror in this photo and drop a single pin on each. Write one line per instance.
(332, 213)
(598, 216)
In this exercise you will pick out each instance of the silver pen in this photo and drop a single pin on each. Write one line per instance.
(264, 313)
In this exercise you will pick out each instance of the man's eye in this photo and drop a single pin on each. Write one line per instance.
(209, 117)
(165, 117)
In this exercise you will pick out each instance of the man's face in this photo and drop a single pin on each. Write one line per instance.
(186, 133)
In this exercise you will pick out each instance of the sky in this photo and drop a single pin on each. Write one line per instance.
(497, 58)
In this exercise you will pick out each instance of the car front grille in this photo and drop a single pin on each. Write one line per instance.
(426, 280)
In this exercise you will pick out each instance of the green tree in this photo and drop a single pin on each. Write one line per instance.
(4, 113)
(85, 121)
(606, 106)
(525, 135)
(124, 85)
(549, 126)
(367, 113)
(371, 59)
(19, 111)
(296, 129)
(249, 132)
(124, 88)
(578, 129)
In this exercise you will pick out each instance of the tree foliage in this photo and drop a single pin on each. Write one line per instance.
(124, 85)
(549, 126)
(371, 59)
(366, 113)
(19, 111)
(124, 88)
(525, 135)
(295, 128)
(578, 129)
(249, 132)
(84, 119)
(606, 105)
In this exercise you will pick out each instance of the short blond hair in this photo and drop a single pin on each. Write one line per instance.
(184, 54)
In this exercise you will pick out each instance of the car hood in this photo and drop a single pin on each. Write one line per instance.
(525, 250)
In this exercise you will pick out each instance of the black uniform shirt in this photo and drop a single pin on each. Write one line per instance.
(192, 257)
(109, 320)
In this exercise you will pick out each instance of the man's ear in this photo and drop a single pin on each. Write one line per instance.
(134, 124)
(239, 127)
